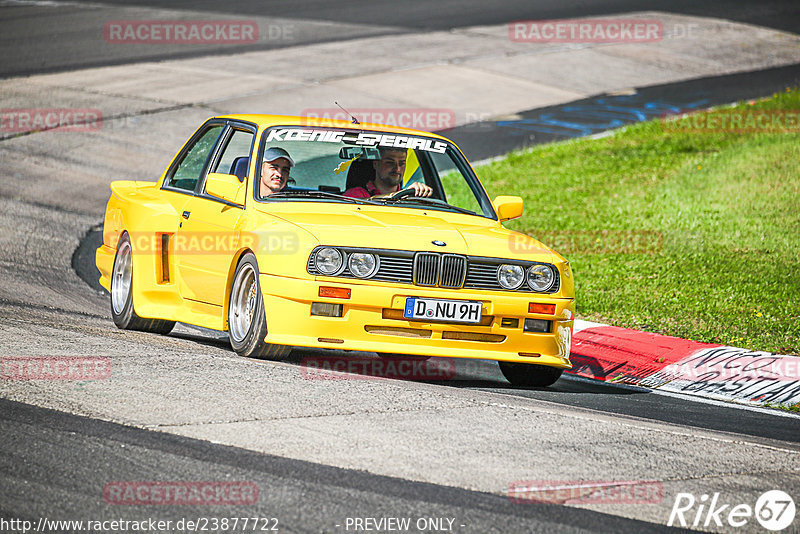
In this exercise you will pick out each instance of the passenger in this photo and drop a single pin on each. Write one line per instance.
(275, 171)
(389, 171)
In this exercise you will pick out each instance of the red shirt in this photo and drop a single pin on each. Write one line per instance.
(365, 192)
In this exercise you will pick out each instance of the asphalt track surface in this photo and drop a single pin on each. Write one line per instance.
(595, 115)
(59, 462)
(58, 35)
(302, 496)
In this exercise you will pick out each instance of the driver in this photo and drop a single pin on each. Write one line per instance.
(275, 171)
(389, 171)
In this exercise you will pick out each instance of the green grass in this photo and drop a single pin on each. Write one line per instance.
(695, 235)
(795, 408)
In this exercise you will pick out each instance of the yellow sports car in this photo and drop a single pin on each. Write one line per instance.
(295, 232)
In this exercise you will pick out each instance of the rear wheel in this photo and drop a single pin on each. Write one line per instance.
(247, 325)
(122, 295)
(531, 375)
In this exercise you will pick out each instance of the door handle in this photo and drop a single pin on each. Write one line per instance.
(186, 214)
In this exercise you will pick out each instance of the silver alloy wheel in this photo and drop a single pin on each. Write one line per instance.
(244, 300)
(121, 278)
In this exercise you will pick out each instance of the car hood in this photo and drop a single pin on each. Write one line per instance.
(411, 229)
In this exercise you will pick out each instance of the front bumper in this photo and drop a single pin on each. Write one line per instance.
(372, 321)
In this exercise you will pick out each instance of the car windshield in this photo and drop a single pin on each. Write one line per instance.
(351, 165)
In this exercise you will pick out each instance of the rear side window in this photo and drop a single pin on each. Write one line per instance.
(194, 160)
(236, 154)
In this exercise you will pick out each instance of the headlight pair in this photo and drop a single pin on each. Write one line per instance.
(540, 277)
(331, 261)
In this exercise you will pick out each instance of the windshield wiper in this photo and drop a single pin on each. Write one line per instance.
(430, 202)
(318, 194)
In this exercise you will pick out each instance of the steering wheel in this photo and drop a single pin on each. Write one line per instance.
(408, 192)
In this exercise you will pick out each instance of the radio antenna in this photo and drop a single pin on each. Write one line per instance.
(353, 118)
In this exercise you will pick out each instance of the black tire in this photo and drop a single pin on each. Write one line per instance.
(530, 375)
(122, 311)
(247, 324)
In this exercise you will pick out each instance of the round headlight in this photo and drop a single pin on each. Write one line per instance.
(540, 277)
(362, 265)
(510, 276)
(328, 260)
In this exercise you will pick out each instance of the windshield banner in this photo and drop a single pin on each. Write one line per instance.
(361, 138)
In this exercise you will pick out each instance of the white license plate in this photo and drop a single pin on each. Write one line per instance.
(451, 311)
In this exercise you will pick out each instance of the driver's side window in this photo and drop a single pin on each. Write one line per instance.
(194, 160)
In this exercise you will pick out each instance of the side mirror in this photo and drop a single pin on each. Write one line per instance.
(508, 207)
(227, 187)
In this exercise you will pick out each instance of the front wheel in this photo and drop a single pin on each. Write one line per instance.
(247, 324)
(530, 375)
(122, 311)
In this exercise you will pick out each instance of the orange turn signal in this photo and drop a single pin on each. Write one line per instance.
(334, 292)
(538, 307)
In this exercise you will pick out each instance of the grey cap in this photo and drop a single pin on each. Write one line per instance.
(276, 153)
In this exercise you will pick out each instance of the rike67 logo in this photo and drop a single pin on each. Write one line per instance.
(774, 510)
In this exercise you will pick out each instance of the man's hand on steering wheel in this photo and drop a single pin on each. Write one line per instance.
(417, 189)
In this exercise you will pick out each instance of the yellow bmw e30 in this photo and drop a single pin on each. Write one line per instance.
(296, 232)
